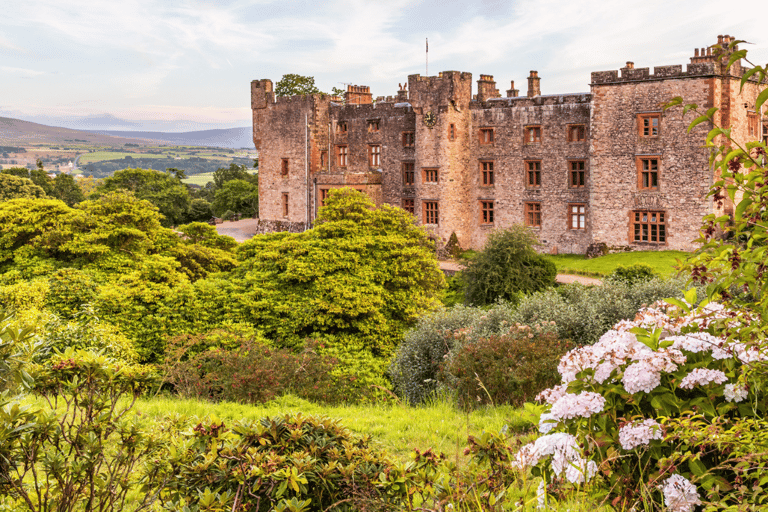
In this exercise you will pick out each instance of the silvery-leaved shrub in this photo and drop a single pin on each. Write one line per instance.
(616, 417)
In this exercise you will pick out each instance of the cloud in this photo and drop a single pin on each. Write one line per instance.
(23, 72)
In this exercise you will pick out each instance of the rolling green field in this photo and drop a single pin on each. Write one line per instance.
(663, 263)
(98, 156)
(203, 178)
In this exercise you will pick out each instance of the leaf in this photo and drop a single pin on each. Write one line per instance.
(745, 77)
(697, 467)
(761, 98)
(691, 296)
(738, 55)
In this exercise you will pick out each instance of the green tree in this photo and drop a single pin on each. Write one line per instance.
(363, 272)
(13, 187)
(65, 188)
(296, 85)
(238, 196)
(507, 266)
(199, 210)
(163, 190)
(233, 172)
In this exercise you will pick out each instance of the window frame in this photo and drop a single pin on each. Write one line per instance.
(486, 212)
(532, 134)
(430, 211)
(581, 130)
(532, 213)
(374, 125)
(284, 166)
(578, 215)
(374, 155)
(487, 173)
(324, 159)
(651, 173)
(753, 125)
(641, 127)
(486, 135)
(322, 196)
(409, 205)
(430, 175)
(408, 139)
(577, 172)
(636, 223)
(342, 127)
(409, 173)
(452, 132)
(342, 155)
(534, 173)
(285, 204)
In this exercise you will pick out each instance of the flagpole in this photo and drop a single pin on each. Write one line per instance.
(427, 56)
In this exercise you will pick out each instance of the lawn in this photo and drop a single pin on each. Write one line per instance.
(662, 262)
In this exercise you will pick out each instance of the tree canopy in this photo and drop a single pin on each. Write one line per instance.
(14, 187)
(296, 85)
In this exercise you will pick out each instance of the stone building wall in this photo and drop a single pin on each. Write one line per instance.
(448, 124)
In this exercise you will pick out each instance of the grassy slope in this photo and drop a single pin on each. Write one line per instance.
(662, 262)
(397, 428)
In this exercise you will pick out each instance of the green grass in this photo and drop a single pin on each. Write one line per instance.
(205, 177)
(397, 428)
(662, 262)
(98, 156)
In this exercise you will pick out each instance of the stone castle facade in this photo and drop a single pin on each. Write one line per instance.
(606, 166)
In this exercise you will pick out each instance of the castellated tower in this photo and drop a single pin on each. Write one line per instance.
(442, 156)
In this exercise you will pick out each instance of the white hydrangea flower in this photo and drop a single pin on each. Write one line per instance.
(547, 422)
(541, 495)
(583, 405)
(702, 377)
(552, 394)
(641, 376)
(580, 471)
(639, 433)
(664, 360)
(695, 342)
(526, 457)
(680, 495)
(735, 393)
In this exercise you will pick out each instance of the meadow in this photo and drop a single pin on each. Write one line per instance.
(663, 263)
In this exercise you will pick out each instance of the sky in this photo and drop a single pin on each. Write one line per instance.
(178, 65)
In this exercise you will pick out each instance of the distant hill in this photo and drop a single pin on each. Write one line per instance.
(227, 138)
(16, 131)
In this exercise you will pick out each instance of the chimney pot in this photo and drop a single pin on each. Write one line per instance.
(630, 65)
(719, 39)
(695, 52)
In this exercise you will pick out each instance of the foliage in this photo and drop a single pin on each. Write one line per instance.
(199, 210)
(69, 289)
(507, 266)
(633, 273)
(66, 188)
(38, 176)
(234, 172)
(164, 190)
(511, 367)
(664, 263)
(17, 349)
(293, 85)
(583, 314)
(81, 451)
(237, 195)
(363, 271)
(227, 215)
(205, 235)
(14, 187)
(284, 463)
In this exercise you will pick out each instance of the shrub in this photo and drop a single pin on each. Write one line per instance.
(633, 273)
(282, 463)
(507, 266)
(227, 215)
(509, 368)
(68, 290)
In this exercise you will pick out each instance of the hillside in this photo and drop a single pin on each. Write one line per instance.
(18, 132)
(233, 138)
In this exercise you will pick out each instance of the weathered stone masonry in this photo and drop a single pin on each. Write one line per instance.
(606, 166)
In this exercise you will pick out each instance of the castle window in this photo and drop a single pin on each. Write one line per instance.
(323, 196)
(373, 125)
(533, 214)
(341, 127)
(451, 132)
(486, 136)
(752, 124)
(648, 124)
(486, 212)
(409, 139)
(285, 204)
(533, 174)
(577, 175)
(486, 173)
(323, 159)
(409, 206)
(430, 175)
(533, 134)
(431, 215)
(341, 155)
(647, 173)
(374, 155)
(648, 227)
(576, 133)
(409, 175)
(284, 167)
(577, 216)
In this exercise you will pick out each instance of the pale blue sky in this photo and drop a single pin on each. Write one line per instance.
(192, 61)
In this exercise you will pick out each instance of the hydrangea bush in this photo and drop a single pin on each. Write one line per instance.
(609, 418)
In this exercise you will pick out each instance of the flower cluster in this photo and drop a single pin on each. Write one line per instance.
(565, 456)
(680, 495)
(735, 393)
(583, 405)
(639, 433)
(702, 377)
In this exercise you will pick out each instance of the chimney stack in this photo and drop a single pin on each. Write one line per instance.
(534, 84)
(486, 88)
(512, 92)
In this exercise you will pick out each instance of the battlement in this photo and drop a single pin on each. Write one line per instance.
(358, 95)
(537, 101)
(461, 75)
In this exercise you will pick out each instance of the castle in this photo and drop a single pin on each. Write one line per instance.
(607, 166)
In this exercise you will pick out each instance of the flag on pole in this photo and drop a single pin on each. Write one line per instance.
(427, 45)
